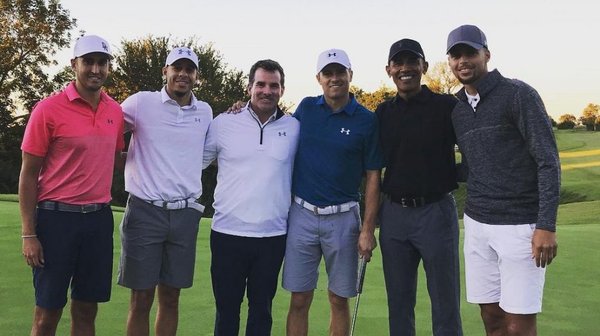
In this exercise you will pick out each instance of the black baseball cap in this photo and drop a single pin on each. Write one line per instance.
(406, 45)
(467, 34)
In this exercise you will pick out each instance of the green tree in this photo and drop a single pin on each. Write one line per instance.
(138, 67)
(589, 115)
(567, 117)
(439, 78)
(566, 121)
(31, 32)
(370, 100)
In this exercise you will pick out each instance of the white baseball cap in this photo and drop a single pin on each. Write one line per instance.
(91, 44)
(333, 56)
(182, 52)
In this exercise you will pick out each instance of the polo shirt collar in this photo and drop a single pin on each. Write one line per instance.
(164, 96)
(72, 94)
(349, 109)
(421, 97)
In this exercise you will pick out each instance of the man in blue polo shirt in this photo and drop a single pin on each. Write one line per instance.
(338, 144)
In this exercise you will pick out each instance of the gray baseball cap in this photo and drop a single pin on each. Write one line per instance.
(467, 34)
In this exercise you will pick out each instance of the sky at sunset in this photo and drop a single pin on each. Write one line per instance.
(552, 45)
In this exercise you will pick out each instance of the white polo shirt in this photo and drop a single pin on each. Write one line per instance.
(254, 179)
(164, 161)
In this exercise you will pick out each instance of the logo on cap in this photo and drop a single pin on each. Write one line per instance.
(104, 46)
(332, 55)
(188, 52)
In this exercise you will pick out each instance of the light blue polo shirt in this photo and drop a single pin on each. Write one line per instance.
(334, 150)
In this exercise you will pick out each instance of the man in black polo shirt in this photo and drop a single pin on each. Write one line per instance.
(418, 218)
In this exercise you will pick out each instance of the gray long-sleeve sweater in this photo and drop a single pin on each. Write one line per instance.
(509, 146)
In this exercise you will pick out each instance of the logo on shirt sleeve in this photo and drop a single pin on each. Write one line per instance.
(345, 131)
(282, 133)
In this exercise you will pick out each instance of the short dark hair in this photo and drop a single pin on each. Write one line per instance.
(268, 65)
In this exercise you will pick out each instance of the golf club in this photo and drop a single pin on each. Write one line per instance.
(362, 268)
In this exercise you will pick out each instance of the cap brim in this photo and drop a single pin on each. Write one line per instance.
(95, 52)
(323, 67)
(410, 51)
(474, 45)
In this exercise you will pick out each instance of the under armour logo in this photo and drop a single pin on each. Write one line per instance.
(110, 121)
(343, 130)
(104, 46)
(187, 51)
(282, 134)
(331, 54)
(197, 120)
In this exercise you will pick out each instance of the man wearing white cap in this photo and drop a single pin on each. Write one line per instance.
(163, 178)
(338, 145)
(69, 150)
(505, 135)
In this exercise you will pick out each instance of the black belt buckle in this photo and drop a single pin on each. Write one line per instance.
(412, 202)
(85, 208)
(409, 202)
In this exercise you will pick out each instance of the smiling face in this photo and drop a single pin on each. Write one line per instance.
(406, 69)
(91, 71)
(181, 76)
(335, 80)
(265, 91)
(467, 63)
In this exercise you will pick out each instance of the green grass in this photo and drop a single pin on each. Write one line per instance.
(570, 301)
(571, 295)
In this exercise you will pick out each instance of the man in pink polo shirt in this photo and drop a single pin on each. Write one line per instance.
(69, 151)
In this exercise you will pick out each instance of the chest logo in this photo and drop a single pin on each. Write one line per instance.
(109, 121)
(282, 133)
(197, 120)
(345, 131)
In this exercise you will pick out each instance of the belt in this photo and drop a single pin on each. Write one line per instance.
(325, 210)
(177, 204)
(81, 208)
(415, 202)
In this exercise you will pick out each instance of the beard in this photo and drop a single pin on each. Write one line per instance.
(180, 94)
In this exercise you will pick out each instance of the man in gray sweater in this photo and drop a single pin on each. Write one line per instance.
(513, 184)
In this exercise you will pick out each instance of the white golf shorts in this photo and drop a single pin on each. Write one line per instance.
(499, 267)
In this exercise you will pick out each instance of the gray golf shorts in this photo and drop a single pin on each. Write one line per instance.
(310, 236)
(157, 246)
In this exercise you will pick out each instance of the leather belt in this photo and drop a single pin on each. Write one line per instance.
(177, 204)
(415, 202)
(81, 208)
(325, 210)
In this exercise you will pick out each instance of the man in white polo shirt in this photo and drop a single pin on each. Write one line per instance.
(255, 154)
(163, 178)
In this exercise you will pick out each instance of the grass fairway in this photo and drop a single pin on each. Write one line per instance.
(571, 296)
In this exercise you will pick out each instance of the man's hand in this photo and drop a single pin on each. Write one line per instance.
(543, 247)
(33, 252)
(366, 244)
(236, 107)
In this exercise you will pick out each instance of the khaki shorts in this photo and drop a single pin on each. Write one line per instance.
(499, 267)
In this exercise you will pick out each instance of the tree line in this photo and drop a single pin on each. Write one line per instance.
(32, 31)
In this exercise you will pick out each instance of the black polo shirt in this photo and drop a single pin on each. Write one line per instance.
(418, 141)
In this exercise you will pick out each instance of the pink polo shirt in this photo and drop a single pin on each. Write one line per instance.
(78, 146)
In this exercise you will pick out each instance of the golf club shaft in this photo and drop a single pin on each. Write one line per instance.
(362, 268)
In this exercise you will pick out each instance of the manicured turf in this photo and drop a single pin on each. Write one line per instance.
(570, 302)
